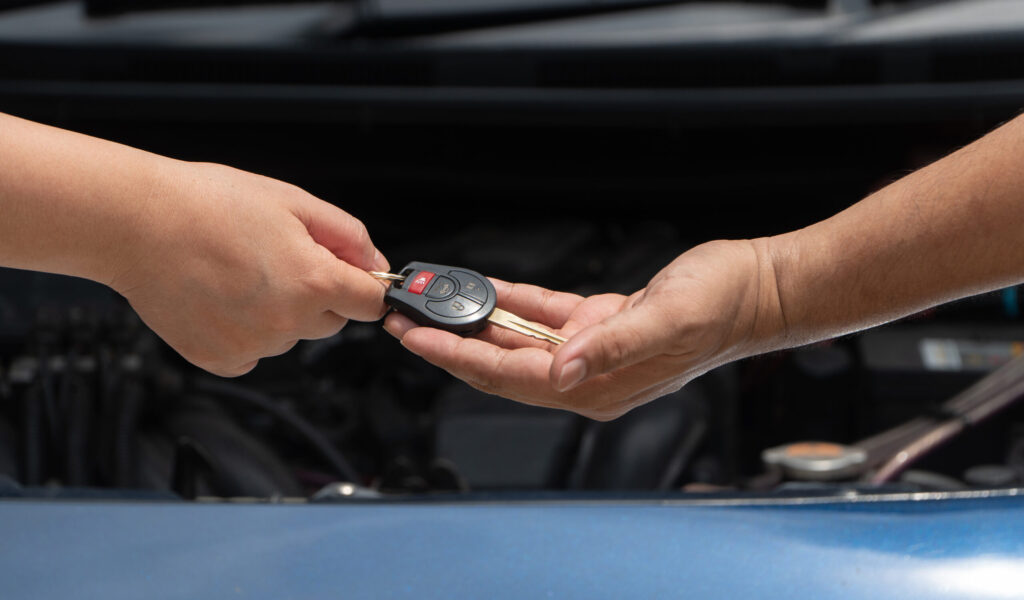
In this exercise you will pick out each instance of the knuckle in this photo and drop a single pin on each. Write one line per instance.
(361, 233)
(295, 190)
(359, 236)
(545, 298)
(320, 282)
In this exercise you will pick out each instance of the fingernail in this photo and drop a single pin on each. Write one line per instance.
(379, 262)
(572, 373)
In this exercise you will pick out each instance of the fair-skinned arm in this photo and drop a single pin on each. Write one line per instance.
(226, 266)
(947, 231)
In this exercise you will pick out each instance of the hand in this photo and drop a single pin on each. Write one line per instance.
(229, 267)
(708, 307)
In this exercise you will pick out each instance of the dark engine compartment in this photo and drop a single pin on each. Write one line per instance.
(589, 183)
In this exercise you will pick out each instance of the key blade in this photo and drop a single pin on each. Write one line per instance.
(505, 319)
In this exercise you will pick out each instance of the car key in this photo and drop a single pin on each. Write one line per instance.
(454, 299)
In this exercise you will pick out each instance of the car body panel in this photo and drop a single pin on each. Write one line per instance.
(887, 547)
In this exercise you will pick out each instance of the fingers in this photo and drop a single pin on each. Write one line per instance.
(352, 292)
(623, 339)
(519, 374)
(506, 338)
(522, 373)
(397, 324)
(341, 233)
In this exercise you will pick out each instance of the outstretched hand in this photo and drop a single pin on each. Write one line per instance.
(226, 266)
(708, 307)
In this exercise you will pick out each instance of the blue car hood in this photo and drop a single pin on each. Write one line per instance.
(928, 545)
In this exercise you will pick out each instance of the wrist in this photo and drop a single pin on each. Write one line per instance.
(139, 222)
(736, 311)
(770, 329)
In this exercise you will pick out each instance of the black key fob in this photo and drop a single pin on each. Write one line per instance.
(450, 298)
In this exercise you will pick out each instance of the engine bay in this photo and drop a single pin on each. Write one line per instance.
(533, 156)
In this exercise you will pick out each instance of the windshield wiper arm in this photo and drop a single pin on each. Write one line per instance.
(108, 8)
(9, 4)
(386, 18)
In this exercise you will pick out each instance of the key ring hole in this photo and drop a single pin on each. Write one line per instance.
(405, 277)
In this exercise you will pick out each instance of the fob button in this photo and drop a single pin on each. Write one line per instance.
(459, 306)
(420, 282)
(441, 288)
(471, 286)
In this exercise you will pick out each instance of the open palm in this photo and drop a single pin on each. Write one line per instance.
(623, 351)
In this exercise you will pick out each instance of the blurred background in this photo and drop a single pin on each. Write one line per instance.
(575, 144)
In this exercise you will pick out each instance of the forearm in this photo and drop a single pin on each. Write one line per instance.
(70, 203)
(947, 231)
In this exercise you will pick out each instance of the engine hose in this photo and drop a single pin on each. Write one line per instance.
(945, 431)
(264, 402)
(79, 412)
(49, 400)
(124, 434)
(33, 441)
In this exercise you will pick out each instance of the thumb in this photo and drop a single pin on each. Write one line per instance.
(341, 233)
(353, 293)
(623, 339)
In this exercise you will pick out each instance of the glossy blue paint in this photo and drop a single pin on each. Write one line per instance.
(935, 548)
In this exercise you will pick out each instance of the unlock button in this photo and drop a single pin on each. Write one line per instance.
(471, 285)
(459, 306)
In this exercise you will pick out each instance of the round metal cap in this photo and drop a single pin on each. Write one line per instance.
(818, 461)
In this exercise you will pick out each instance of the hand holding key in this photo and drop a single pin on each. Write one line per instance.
(226, 266)
(706, 308)
(232, 267)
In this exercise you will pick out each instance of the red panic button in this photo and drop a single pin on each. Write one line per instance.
(420, 282)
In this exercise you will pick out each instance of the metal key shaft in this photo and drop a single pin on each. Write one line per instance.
(503, 318)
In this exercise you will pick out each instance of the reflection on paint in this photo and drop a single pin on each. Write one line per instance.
(982, 577)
